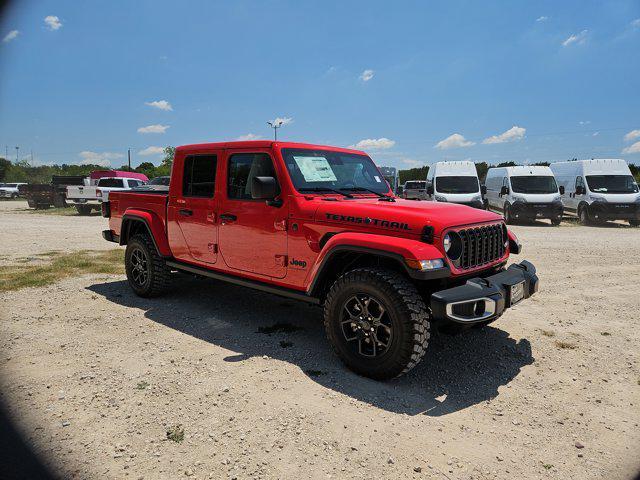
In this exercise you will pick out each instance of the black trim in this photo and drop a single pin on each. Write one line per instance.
(124, 232)
(415, 274)
(243, 282)
(109, 236)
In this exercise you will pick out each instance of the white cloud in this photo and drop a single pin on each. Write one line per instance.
(577, 38)
(95, 158)
(632, 135)
(584, 122)
(53, 22)
(412, 162)
(282, 121)
(151, 151)
(595, 134)
(633, 148)
(374, 144)
(543, 18)
(249, 136)
(10, 36)
(367, 75)
(454, 141)
(514, 134)
(636, 23)
(153, 129)
(160, 105)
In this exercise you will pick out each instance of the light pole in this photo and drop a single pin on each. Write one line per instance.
(17, 149)
(275, 125)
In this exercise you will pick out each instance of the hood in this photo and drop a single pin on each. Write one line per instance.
(460, 197)
(408, 216)
(614, 197)
(536, 197)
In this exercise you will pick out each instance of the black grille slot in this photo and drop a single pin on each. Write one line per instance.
(481, 245)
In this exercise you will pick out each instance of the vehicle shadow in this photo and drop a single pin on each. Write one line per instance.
(457, 371)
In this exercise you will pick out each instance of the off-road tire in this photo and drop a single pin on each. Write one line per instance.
(556, 221)
(83, 210)
(583, 215)
(158, 274)
(408, 314)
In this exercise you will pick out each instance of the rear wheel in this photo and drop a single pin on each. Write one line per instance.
(376, 322)
(634, 222)
(556, 221)
(83, 209)
(147, 271)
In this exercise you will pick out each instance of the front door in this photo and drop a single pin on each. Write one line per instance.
(253, 235)
(192, 215)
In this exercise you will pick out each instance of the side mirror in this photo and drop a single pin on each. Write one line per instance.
(483, 189)
(579, 190)
(430, 190)
(504, 190)
(561, 189)
(264, 188)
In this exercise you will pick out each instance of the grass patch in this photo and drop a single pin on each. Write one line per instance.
(548, 333)
(279, 328)
(176, 433)
(565, 345)
(68, 211)
(62, 265)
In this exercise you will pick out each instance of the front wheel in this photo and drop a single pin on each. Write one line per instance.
(556, 221)
(376, 322)
(147, 271)
(583, 215)
(634, 222)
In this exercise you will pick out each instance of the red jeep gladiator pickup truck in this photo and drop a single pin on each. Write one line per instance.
(320, 224)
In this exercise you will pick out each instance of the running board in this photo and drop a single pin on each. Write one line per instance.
(281, 291)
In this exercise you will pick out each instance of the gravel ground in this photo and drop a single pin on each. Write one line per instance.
(95, 376)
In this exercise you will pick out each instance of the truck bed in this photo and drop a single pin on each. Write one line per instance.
(153, 201)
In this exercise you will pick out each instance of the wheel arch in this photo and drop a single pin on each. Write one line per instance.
(346, 251)
(145, 222)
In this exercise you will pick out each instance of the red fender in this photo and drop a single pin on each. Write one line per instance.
(154, 224)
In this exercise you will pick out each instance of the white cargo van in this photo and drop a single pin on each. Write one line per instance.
(455, 182)
(598, 190)
(524, 193)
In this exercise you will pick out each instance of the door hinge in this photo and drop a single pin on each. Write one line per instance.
(280, 225)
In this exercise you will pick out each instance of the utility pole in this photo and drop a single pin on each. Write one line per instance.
(17, 150)
(275, 125)
(129, 156)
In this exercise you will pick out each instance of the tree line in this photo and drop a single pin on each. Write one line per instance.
(23, 171)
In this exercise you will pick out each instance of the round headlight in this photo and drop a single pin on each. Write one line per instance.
(447, 243)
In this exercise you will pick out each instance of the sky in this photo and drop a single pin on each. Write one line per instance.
(410, 82)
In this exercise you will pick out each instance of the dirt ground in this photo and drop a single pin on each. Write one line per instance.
(95, 377)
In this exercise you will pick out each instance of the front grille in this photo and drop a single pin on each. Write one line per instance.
(481, 245)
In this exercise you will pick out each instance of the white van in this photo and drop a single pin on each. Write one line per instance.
(524, 193)
(455, 182)
(598, 190)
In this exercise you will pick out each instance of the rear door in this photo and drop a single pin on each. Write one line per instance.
(191, 211)
(253, 236)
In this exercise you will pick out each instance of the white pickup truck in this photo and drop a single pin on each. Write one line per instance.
(90, 197)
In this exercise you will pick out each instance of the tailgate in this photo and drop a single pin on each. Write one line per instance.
(86, 192)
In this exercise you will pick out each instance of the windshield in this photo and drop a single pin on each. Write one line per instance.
(534, 184)
(457, 184)
(415, 185)
(315, 170)
(612, 184)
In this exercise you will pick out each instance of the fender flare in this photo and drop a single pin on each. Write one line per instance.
(398, 249)
(154, 226)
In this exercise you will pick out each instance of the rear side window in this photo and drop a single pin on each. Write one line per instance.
(242, 168)
(199, 178)
(111, 182)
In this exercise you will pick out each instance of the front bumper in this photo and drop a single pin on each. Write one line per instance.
(109, 236)
(7, 194)
(536, 210)
(614, 211)
(483, 299)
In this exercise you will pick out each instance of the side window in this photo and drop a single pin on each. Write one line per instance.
(505, 182)
(579, 182)
(243, 167)
(199, 177)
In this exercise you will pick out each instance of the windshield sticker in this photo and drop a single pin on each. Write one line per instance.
(315, 169)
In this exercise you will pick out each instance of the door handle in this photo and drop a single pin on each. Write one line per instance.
(185, 212)
(228, 217)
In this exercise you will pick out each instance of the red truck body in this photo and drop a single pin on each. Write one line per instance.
(270, 244)
(320, 224)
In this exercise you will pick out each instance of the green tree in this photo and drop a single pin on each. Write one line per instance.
(4, 168)
(418, 173)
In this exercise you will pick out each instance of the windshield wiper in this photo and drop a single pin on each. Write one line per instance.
(383, 197)
(326, 189)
